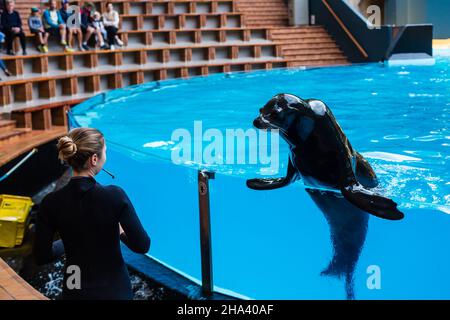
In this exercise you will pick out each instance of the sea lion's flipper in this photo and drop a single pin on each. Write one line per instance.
(371, 202)
(274, 183)
(364, 172)
(266, 184)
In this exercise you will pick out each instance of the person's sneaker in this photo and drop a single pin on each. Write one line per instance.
(41, 48)
(11, 53)
(112, 48)
(8, 73)
(68, 49)
(85, 47)
(24, 52)
(119, 42)
(45, 49)
(63, 43)
(104, 47)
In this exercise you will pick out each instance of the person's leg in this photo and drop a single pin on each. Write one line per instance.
(62, 33)
(49, 33)
(88, 34)
(45, 37)
(39, 41)
(40, 37)
(79, 38)
(99, 34)
(23, 42)
(118, 40)
(69, 36)
(111, 35)
(9, 41)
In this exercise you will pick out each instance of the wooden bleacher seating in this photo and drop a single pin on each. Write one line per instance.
(163, 39)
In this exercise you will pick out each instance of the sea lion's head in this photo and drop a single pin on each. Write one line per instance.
(285, 110)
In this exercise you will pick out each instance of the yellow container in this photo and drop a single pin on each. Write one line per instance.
(14, 212)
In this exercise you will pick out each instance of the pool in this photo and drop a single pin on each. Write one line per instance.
(275, 244)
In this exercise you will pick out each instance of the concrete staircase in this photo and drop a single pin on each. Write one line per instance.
(300, 46)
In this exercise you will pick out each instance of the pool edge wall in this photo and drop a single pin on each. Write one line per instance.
(167, 277)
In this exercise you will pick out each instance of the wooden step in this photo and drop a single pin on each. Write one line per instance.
(307, 41)
(302, 46)
(264, 13)
(7, 126)
(289, 35)
(12, 135)
(262, 5)
(300, 31)
(301, 37)
(318, 63)
(316, 51)
(269, 19)
(12, 149)
(311, 57)
(263, 9)
(266, 22)
(13, 287)
(270, 13)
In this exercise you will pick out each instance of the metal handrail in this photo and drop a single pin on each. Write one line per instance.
(18, 165)
(205, 231)
(350, 35)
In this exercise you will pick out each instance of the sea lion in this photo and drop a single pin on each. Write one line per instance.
(321, 155)
(337, 178)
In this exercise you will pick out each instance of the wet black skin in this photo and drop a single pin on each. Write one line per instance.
(321, 154)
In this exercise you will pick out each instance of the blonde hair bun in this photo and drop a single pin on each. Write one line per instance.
(79, 145)
(67, 148)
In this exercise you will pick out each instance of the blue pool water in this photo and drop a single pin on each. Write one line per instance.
(275, 244)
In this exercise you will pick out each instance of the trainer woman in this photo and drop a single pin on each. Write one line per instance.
(91, 219)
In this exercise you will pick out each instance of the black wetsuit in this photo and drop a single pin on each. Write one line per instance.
(87, 215)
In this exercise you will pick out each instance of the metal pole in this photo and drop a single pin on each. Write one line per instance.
(205, 231)
(20, 163)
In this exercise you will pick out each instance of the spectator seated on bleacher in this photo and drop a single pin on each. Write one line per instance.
(12, 28)
(98, 25)
(54, 24)
(88, 27)
(37, 28)
(72, 22)
(111, 23)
